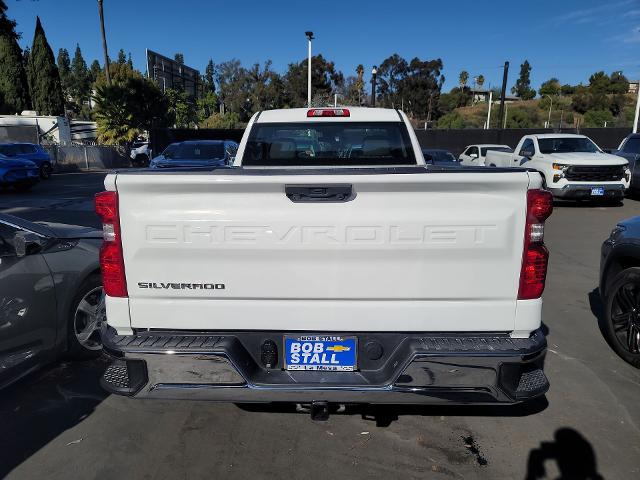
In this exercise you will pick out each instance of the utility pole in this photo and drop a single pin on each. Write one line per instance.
(309, 37)
(503, 92)
(104, 43)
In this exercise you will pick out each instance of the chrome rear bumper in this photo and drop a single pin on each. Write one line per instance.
(413, 369)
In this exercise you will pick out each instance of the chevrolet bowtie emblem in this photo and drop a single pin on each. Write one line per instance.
(339, 348)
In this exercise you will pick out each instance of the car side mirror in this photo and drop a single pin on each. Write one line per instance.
(473, 155)
(526, 153)
(26, 243)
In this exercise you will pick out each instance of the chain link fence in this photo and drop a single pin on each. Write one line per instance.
(88, 157)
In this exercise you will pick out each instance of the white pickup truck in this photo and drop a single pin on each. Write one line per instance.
(573, 166)
(330, 264)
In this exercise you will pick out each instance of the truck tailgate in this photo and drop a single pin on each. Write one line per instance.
(409, 252)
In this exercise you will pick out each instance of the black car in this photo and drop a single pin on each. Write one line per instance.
(439, 157)
(620, 289)
(51, 299)
(630, 149)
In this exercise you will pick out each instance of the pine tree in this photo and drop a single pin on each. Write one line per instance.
(179, 58)
(122, 57)
(94, 70)
(14, 87)
(80, 80)
(45, 79)
(209, 73)
(522, 87)
(64, 69)
(129, 61)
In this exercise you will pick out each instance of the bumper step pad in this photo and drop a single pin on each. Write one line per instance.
(531, 383)
(124, 378)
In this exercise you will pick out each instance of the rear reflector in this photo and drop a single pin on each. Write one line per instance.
(328, 112)
(535, 256)
(111, 257)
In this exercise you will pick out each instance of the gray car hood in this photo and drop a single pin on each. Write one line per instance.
(64, 231)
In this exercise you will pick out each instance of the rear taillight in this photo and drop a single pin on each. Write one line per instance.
(535, 256)
(111, 258)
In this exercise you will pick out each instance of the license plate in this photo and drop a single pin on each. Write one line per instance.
(597, 191)
(318, 352)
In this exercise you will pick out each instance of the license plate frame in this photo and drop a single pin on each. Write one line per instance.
(342, 359)
(597, 191)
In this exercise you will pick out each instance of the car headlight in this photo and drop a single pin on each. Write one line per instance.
(560, 168)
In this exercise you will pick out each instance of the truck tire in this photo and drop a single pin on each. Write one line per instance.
(621, 326)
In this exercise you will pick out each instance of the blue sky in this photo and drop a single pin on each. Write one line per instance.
(568, 39)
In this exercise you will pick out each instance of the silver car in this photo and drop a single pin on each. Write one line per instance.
(51, 299)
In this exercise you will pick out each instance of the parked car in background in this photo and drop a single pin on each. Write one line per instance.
(32, 152)
(620, 290)
(140, 154)
(630, 149)
(197, 153)
(439, 157)
(475, 154)
(51, 299)
(19, 174)
(572, 166)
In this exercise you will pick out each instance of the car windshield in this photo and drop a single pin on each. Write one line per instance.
(484, 150)
(198, 151)
(567, 145)
(329, 143)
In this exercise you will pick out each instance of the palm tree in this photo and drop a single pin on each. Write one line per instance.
(104, 43)
(463, 78)
(480, 81)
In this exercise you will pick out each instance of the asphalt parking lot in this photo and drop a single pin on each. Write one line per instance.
(58, 423)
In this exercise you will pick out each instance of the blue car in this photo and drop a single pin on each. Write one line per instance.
(19, 174)
(196, 153)
(29, 151)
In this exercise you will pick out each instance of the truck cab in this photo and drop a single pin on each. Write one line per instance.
(573, 166)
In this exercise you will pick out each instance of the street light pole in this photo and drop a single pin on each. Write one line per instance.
(374, 72)
(309, 37)
(635, 121)
(489, 111)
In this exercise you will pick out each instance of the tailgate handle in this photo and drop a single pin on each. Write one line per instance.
(319, 193)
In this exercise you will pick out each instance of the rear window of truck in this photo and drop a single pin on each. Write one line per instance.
(329, 144)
